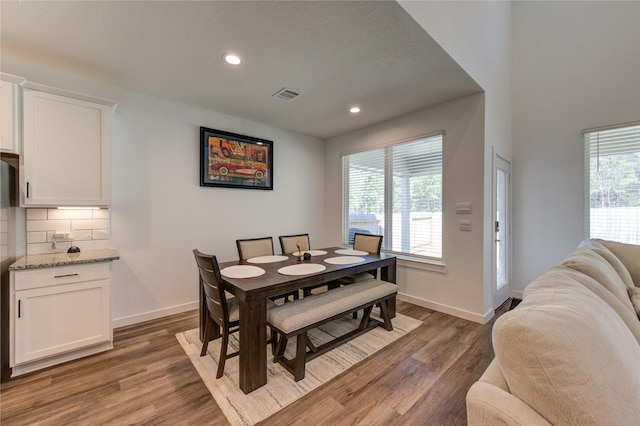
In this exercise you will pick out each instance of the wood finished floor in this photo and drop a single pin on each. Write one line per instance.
(147, 379)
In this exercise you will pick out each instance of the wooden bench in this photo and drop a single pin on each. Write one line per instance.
(300, 316)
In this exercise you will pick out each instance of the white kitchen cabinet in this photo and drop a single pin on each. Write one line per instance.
(66, 145)
(9, 117)
(58, 314)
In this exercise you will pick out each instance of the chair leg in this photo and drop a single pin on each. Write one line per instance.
(274, 340)
(207, 337)
(223, 353)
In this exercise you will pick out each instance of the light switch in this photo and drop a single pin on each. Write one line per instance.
(463, 208)
(465, 225)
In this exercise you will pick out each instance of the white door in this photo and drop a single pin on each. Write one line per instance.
(502, 230)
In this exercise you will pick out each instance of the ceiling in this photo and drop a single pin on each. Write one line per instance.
(335, 54)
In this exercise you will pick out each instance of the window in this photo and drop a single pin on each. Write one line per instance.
(396, 191)
(612, 164)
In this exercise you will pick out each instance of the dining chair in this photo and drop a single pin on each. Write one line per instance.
(371, 244)
(225, 313)
(254, 247)
(289, 243)
(367, 242)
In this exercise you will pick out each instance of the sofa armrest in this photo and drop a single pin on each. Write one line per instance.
(489, 405)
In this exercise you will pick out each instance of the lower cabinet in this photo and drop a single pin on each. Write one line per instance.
(59, 314)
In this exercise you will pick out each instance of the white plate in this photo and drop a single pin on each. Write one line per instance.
(344, 260)
(352, 252)
(311, 252)
(242, 271)
(302, 269)
(267, 259)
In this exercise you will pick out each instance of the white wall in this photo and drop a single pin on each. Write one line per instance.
(159, 213)
(477, 35)
(458, 288)
(576, 65)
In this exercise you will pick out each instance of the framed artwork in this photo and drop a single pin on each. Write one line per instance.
(235, 161)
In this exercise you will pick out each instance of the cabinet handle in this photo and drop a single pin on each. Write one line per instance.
(19, 308)
(28, 189)
(68, 275)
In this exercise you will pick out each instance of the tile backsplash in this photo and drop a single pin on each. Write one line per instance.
(54, 230)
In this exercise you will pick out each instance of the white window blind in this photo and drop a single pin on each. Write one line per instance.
(612, 164)
(396, 191)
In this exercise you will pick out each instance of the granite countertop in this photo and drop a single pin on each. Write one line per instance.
(34, 261)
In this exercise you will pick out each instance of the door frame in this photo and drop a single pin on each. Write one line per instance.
(500, 296)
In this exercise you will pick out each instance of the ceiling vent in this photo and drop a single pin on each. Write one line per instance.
(286, 94)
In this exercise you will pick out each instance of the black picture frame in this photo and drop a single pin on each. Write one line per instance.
(230, 160)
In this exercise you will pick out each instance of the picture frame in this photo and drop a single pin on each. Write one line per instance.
(230, 160)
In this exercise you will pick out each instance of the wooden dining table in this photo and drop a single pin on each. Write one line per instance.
(252, 294)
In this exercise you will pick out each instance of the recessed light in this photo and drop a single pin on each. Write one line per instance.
(232, 59)
(354, 110)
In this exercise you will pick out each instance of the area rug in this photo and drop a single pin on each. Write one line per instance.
(281, 390)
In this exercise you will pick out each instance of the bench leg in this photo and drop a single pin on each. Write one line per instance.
(366, 314)
(280, 348)
(301, 356)
(384, 310)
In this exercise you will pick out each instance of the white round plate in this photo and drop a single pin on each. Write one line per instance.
(352, 252)
(302, 269)
(242, 271)
(311, 252)
(344, 260)
(267, 259)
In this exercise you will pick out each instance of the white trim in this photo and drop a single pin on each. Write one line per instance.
(10, 78)
(151, 315)
(610, 127)
(395, 142)
(421, 264)
(61, 92)
(459, 313)
(49, 361)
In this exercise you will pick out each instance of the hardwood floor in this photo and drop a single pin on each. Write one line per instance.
(147, 379)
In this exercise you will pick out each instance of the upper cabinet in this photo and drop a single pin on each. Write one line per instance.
(9, 117)
(65, 150)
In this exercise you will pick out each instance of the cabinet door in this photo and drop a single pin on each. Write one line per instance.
(9, 118)
(56, 319)
(66, 151)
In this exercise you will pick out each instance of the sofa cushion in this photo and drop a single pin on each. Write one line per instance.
(634, 294)
(568, 355)
(629, 318)
(629, 255)
(602, 250)
(589, 262)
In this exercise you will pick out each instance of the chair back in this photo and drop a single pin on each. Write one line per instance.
(213, 288)
(254, 247)
(367, 242)
(289, 243)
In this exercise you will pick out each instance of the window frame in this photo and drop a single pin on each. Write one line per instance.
(612, 149)
(388, 197)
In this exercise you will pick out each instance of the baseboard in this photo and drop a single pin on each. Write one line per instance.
(449, 310)
(460, 313)
(151, 315)
(39, 364)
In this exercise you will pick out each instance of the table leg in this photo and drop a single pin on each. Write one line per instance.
(253, 344)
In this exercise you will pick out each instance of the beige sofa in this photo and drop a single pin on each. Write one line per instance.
(569, 354)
